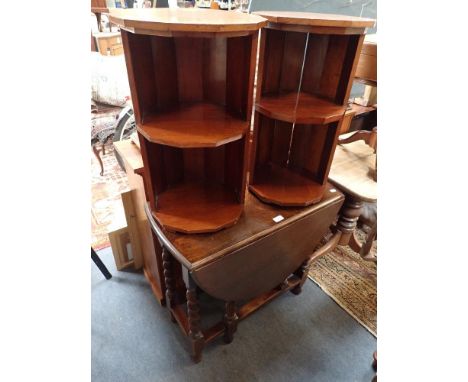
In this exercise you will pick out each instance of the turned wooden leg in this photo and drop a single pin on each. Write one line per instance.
(98, 18)
(302, 273)
(168, 280)
(96, 153)
(230, 321)
(197, 340)
(347, 222)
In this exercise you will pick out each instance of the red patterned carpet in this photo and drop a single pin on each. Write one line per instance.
(106, 204)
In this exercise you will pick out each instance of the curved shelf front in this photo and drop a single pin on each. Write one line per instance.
(194, 126)
(281, 186)
(197, 208)
(309, 110)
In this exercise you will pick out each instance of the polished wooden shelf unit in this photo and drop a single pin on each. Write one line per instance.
(307, 62)
(191, 77)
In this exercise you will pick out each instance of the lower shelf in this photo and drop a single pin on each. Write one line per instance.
(197, 208)
(280, 186)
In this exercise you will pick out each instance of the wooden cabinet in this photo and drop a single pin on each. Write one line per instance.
(306, 66)
(191, 77)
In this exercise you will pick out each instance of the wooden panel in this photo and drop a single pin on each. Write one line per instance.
(264, 139)
(173, 165)
(237, 75)
(234, 166)
(350, 63)
(280, 143)
(132, 225)
(274, 44)
(165, 72)
(315, 60)
(293, 56)
(194, 165)
(215, 164)
(140, 73)
(333, 66)
(307, 148)
(214, 70)
(235, 277)
(189, 53)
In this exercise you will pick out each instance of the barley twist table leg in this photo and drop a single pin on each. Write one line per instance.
(168, 280)
(197, 340)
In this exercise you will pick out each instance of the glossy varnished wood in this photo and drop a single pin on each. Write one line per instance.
(256, 221)
(197, 207)
(191, 126)
(301, 108)
(191, 77)
(166, 20)
(281, 186)
(305, 78)
(316, 19)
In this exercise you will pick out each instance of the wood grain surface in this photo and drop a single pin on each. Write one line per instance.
(197, 125)
(184, 20)
(315, 19)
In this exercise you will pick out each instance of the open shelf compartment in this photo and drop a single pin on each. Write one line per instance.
(305, 77)
(290, 165)
(192, 96)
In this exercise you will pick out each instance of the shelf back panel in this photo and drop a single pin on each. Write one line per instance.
(170, 166)
(272, 142)
(311, 150)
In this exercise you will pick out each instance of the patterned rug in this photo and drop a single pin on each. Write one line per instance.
(351, 282)
(106, 205)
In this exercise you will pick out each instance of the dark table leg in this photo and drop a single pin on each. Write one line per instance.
(168, 281)
(100, 264)
(197, 340)
(230, 321)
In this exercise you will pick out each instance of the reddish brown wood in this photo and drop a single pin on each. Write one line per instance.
(197, 208)
(306, 75)
(283, 187)
(300, 108)
(198, 125)
(254, 261)
(191, 78)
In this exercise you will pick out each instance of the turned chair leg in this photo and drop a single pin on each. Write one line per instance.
(197, 340)
(169, 281)
(96, 153)
(230, 321)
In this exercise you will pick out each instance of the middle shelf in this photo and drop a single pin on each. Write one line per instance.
(202, 124)
(309, 109)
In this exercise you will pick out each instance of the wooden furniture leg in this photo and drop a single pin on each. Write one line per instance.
(230, 321)
(98, 18)
(197, 340)
(347, 222)
(96, 153)
(302, 273)
(169, 281)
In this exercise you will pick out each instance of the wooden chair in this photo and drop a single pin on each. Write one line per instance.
(354, 171)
